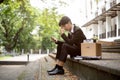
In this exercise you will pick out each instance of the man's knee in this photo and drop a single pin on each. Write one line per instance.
(60, 45)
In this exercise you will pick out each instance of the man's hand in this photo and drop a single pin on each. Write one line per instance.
(62, 31)
(54, 39)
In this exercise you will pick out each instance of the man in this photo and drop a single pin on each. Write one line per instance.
(71, 44)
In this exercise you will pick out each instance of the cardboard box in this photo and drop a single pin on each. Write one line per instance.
(91, 49)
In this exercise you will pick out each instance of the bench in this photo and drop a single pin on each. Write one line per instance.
(106, 69)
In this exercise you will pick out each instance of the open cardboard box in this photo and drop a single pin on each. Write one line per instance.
(93, 50)
(90, 49)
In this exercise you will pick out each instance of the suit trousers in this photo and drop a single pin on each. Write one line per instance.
(63, 49)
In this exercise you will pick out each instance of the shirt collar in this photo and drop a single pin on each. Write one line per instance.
(72, 30)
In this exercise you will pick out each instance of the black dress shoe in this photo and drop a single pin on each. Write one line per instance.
(52, 69)
(57, 71)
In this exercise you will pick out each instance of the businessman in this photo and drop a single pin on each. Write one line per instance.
(71, 45)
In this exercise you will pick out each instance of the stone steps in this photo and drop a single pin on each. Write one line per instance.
(47, 63)
(113, 48)
(108, 68)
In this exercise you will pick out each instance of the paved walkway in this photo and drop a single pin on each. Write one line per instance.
(49, 64)
(35, 70)
(39, 64)
(24, 57)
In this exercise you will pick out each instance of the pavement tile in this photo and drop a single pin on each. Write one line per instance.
(49, 64)
(36, 69)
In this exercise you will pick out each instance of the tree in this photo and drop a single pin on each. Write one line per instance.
(17, 20)
(48, 22)
(49, 27)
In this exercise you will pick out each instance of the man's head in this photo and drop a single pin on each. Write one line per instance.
(65, 23)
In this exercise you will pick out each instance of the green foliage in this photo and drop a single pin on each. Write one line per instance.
(97, 1)
(49, 27)
(4, 57)
(17, 21)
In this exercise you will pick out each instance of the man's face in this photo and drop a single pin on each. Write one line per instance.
(67, 26)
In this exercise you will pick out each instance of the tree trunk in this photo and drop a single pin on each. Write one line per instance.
(8, 48)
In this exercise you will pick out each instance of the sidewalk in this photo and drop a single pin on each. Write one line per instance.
(49, 63)
(24, 57)
(35, 70)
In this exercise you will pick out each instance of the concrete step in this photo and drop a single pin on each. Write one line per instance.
(47, 63)
(13, 62)
(113, 48)
(108, 68)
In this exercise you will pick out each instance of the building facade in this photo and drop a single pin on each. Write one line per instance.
(102, 19)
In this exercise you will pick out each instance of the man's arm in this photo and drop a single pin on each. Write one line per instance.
(59, 42)
(77, 37)
(56, 41)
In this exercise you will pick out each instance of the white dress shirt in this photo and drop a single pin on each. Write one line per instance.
(72, 30)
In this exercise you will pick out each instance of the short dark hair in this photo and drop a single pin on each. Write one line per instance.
(64, 20)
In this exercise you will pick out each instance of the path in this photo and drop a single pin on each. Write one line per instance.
(35, 70)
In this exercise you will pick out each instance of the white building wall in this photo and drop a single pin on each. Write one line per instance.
(118, 22)
(101, 5)
(89, 32)
(100, 27)
(95, 29)
(113, 22)
(108, 4)
(118, 1)
(104, 27)
(108, 25)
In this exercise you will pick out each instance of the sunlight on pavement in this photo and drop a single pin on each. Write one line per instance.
(12, 66)
(32, 57)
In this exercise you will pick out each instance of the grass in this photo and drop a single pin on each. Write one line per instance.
(4, 57)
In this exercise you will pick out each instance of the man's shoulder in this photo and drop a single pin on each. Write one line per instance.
(77, 28)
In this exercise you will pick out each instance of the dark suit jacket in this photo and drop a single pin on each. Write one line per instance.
(75, 38)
